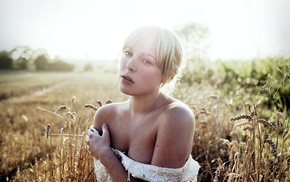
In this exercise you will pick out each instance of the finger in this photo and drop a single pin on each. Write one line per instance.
(93, 129)
(105, 130)
(89, 132)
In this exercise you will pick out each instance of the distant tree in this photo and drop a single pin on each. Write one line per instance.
(60, 65)
(88, 67)
(194, 36)
(42, 62)
(23, 57)
(6, 62)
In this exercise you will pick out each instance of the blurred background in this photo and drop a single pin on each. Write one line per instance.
(63, 54)
(79, 32)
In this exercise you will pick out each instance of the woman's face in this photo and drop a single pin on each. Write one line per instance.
(138, 70)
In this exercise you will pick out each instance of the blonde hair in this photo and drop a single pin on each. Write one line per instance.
(169, 51)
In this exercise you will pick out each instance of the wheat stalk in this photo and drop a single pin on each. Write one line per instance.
(248, 117)
(266, 123)
(60, 109)
(91, 106)
(272, 144)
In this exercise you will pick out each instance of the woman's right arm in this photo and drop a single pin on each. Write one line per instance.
(99, 145)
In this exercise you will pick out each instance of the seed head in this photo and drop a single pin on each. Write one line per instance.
(266, 123)
(47, 131)
(72, 115)
(99, 103)
(280, 118)
(272, 144)
(60, 108)
(73, 99)
(109, 101)
(91, 106)
(248, 117)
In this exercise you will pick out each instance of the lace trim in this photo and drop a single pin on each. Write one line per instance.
(101, 173)
(149, 172)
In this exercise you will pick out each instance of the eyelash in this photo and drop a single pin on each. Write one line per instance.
(146, 61)
(128, 53)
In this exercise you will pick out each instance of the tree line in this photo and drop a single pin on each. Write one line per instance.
(24, 58)
(193, 35)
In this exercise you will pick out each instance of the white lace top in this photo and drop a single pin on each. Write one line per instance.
(149, 172)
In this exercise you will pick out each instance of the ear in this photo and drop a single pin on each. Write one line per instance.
(163, 80)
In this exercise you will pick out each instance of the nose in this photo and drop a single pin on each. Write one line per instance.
(131, 65)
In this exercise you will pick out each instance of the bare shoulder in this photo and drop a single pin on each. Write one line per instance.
(177, 120)
(178, 113)
(175, 131)
(106, 113)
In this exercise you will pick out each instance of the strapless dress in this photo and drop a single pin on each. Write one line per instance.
(150, 172)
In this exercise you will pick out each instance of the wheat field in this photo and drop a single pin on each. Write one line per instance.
(44, 116)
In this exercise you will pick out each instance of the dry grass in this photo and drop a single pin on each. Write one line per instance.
(237, 145)
(42, 136)
(23, 125)
(16, 84)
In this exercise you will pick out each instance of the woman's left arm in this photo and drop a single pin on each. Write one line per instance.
(174, 137)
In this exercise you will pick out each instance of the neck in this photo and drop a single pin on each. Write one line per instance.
(143, 104)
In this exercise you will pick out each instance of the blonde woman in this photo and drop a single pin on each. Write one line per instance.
(149, 136)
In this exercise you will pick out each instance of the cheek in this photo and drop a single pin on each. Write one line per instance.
(153, 76)
(121, 63)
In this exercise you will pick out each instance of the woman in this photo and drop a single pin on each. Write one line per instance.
(149, 136)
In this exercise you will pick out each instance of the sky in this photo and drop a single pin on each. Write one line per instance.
(95, 29)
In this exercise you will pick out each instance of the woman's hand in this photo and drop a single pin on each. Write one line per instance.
(98, 144)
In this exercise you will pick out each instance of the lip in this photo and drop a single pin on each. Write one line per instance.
(127, 80)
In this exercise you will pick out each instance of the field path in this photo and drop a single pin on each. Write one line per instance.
(16, 85)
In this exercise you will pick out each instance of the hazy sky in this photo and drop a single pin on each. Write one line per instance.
(95, 29)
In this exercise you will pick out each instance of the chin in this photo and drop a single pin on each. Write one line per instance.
(125, 90)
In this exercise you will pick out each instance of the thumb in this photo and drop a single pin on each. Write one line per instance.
(105, 130)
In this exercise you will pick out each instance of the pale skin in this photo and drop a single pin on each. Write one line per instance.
(150, 127)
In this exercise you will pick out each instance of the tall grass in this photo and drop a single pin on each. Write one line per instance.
(23, 125)
(70, 160)
(259, 151)
(242, 130)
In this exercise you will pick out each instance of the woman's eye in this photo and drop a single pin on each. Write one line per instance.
(146, 61)
(128, 53)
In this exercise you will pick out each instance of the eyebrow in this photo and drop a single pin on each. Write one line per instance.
(141, 52)
(151, 56)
